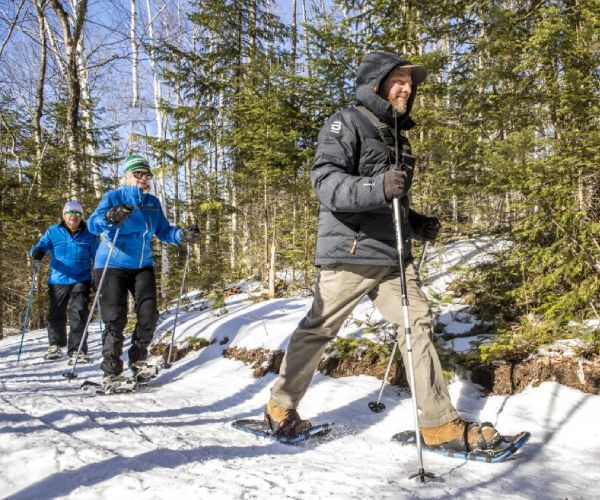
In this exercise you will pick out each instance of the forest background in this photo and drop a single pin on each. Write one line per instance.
(226, 98)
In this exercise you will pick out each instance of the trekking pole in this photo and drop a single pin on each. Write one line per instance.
(422, 474)
(378, 406)
(36, 266)
(71, 374)
(168, 364)
(422, 259)
(100, 323)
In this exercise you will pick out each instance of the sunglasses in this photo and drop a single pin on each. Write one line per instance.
(139, 174)
(76, 213)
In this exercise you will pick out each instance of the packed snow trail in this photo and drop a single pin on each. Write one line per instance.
(174, 438)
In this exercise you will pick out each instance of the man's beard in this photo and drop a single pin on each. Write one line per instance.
(399, 106)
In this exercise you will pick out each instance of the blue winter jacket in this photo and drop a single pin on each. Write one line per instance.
(71, 254)
(132, 249)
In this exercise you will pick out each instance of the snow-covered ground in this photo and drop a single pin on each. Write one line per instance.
(174, 439)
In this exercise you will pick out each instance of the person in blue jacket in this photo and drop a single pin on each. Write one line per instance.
(139, 216)
(72, 248)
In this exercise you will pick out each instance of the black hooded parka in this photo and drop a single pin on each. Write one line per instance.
(355, 220)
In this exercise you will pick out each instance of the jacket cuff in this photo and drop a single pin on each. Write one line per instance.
(380, 191)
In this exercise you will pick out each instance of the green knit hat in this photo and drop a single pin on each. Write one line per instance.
(136, 162)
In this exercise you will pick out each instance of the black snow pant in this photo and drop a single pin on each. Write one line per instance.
(114, 294)
(59, 296)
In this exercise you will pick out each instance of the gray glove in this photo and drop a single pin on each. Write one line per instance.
(431, 228)
(118, 214)
(38, 254)
(394, 184)
(190, 234)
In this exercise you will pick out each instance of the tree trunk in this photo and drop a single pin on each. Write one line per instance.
(40, 5)
(161, 191)
(306, 44)
(71, 38)
(134, 55)
(272, 257)
(86, 118)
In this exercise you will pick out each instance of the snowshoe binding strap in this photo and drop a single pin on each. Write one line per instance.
(118, 384)
(53, 353)
(487, 444)
(290, 426)
(143, 372)
(463, 445)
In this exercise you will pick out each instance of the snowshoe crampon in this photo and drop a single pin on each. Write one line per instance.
(110, 385)
(53, 353)
(504, 448)
(82, 359)
(260, 428)
(143, 371)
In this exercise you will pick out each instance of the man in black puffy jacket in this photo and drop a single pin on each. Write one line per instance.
(355, 180)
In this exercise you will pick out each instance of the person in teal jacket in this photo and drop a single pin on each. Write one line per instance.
(72, 250)
(139, 217)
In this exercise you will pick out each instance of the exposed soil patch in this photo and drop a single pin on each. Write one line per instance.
(345, 357)
(262, 360)
(234, 290)
(365, 358)
(512, 378)
(178, 353)
(498, 378)
(353, 359)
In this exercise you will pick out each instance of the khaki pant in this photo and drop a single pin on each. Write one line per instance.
(339, 289)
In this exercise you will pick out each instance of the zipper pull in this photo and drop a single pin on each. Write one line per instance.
(354, 243)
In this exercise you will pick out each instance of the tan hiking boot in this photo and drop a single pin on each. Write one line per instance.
(461, 435)
(284, 421)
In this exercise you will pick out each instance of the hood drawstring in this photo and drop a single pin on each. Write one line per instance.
(396, 139)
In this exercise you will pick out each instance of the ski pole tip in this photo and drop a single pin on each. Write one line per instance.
(376, 406)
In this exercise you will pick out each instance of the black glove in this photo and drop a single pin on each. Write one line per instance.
(118, 214)
(38, 254)
(394, 182)
(190, 234)
(431, 228)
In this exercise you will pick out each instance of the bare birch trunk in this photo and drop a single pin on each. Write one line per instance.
(197, 250)
(71, 38)
(265, 226)
(134, 55)
(272, 257)
(86, 117)
(189, 187)
(294, 36)
(40, 5)
(233, 236)
(306, 44)
(161, 192)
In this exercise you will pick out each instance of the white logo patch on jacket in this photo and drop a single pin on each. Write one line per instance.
(336, 126)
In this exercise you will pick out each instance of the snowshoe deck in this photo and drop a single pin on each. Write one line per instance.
(83, 360)
(259, 428)
(506, 447)
(96, 389)
(144, 372)
(53, 356)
